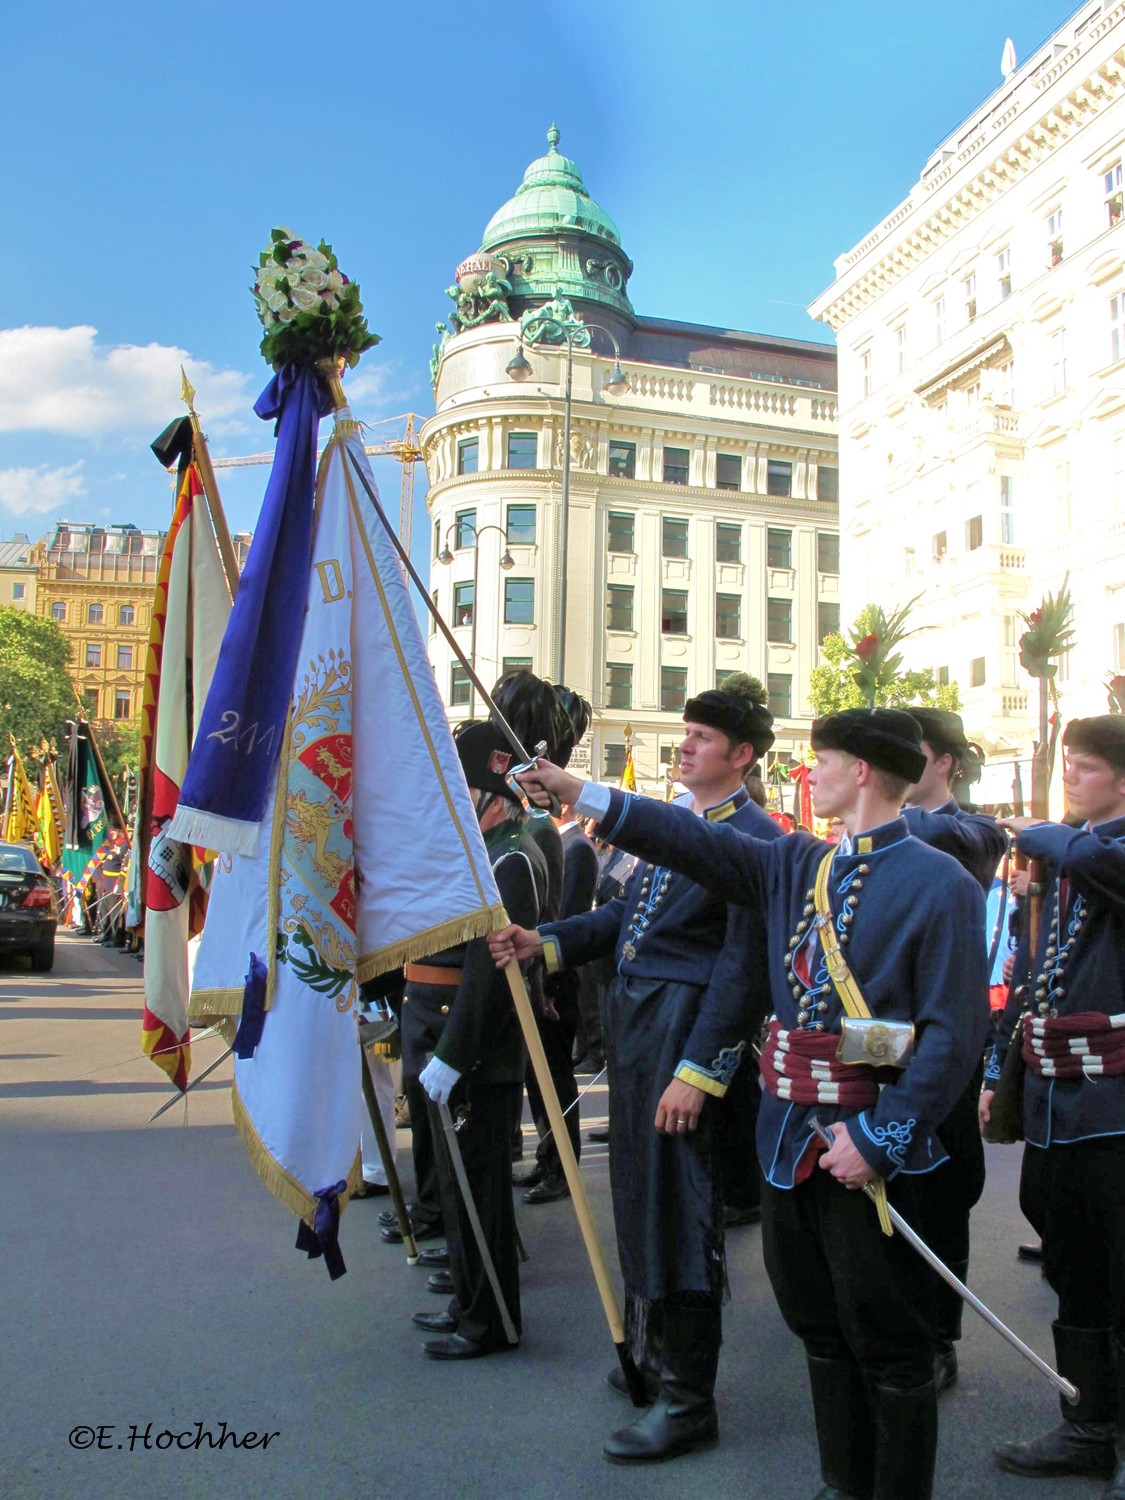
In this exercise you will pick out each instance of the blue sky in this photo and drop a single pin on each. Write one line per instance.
(740, 147)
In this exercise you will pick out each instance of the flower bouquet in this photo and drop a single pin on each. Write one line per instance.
(308, 307)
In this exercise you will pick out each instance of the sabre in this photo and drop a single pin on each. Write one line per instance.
(474, 1220)
(175, 1099)
(574, 1103)
(387, 1157)
(916, 1242)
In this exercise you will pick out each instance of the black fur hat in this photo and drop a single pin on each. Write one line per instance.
(885, 737)
(738, 708)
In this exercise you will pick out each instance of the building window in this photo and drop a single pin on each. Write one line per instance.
(1056, 358)
(974, 533)
(779, 685)
(779, 621)
(622, 459)
(93, 654)
(827, 552)
(1004, 273)
(1007, 511)
(722, 673)
(939, 321)
(433, 621)
(519, 601)
(673, 689)
(728, 616)
(122, 703)
(126, 615)
(464, 528)
(828, 485)
(1054, 237)
(95, 614)
(460, 688)
(779, 477)
(827, 621)
(941, 545)
(865, 371)
(619, 608)
(676, 461)
(1113, 194)
(970, 289)
(620, 531)
(673, 537)
(614, 761)
(1116, 320)
(90, 698)
(468, 451)
(1119, 648)
(58, 612)
(976, 672)
(521, 525)
(437, 537)
(667, 752)
(515, 664)
(673, 611)
(464, 602)
(941, 676)
(618, 685)
(779, 548)
(522, 450)
(19, 590)
(728, 542)
(124, 658)
(900, 348)
(728, 471)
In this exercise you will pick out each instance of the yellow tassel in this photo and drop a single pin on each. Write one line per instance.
(879, 1188)
(434, 940)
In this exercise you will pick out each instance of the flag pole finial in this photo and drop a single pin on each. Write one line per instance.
(187, 391)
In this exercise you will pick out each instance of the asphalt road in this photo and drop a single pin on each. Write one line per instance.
(146, 1277)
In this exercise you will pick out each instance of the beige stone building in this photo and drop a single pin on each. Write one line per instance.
(981, 337)
(18, 574)
(701, 531)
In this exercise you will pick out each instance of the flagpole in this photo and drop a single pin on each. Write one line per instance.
(211, 489)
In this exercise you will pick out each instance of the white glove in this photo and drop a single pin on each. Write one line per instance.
(438, 1079)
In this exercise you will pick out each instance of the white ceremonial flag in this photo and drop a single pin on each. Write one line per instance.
(374, 856)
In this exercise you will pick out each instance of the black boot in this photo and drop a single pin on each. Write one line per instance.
(905, 1442)
(1116, 1489)
(845, 1433)
(1083, 1444)
(948, 1307)
(642, 1338)
(683, 1416)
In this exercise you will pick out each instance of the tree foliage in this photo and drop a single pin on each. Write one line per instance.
(833, 686)
(36, 697)
(120, 747)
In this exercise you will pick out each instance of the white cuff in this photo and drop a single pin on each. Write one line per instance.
(593, 800)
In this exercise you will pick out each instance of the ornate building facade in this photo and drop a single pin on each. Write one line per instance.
(981, 335)
(700, 534)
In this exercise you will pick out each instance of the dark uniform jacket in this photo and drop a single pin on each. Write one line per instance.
(974, 840)
(1086, 890)
(904, 900)
(473, 1027)
(667, 927)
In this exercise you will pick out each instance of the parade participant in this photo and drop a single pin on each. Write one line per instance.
(934, 815)
(856, 1297)
(1073, 1030)
(459, 1009)
(677, 1020)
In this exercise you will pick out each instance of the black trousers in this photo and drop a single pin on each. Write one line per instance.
(949, 1194)
(486, 1153)
(845, 1288)
(735, 1124)
(1075, 1198)
(558, 1043)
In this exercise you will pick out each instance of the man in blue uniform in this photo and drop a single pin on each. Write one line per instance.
(1073, 1044)
(934, 814)
(856, 1297)
(678, 1017)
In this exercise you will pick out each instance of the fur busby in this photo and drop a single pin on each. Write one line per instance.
(536, 710)
(738, 708)
(885, 737)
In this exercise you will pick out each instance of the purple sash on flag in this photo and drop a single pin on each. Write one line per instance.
(240, 735)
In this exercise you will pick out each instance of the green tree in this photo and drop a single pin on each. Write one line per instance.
(36, 696)
(833, 686)
(120, 746)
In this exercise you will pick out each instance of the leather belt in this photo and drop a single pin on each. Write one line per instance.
(432, 974)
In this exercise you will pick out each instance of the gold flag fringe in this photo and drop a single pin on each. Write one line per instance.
(211, 1005)
(434, 940)
(282, 1184)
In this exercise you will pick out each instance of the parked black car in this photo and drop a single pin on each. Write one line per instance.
(28, 917)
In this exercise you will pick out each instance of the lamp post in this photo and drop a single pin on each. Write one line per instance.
(507, 562)
(518, 368)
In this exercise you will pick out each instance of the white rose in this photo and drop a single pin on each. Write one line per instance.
(287, 314)
(268, 319)
(276, 301)
(316, 259)
(293, 277)
(328, 302)
(314, 278)
(335, 281)
(305, 298)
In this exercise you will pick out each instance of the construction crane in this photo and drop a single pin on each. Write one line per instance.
(405, 449)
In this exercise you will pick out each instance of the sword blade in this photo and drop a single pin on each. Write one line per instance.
(573, 1104)
(916, 1242)
(210, 1068)
(454, 1145)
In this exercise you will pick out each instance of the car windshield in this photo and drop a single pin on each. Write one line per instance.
(15, 860)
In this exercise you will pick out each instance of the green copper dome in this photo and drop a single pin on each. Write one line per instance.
(551, 197)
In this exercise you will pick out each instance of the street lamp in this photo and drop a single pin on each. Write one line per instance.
(616, 384)
(507, 562)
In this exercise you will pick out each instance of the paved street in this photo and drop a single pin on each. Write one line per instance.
(149, 1278)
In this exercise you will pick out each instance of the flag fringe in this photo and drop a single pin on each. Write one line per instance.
(212, 1005)
(434, 940)
(192, 825)
(282, 1184)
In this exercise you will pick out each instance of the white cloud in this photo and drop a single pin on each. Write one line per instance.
(26, 492)
(63, 380)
